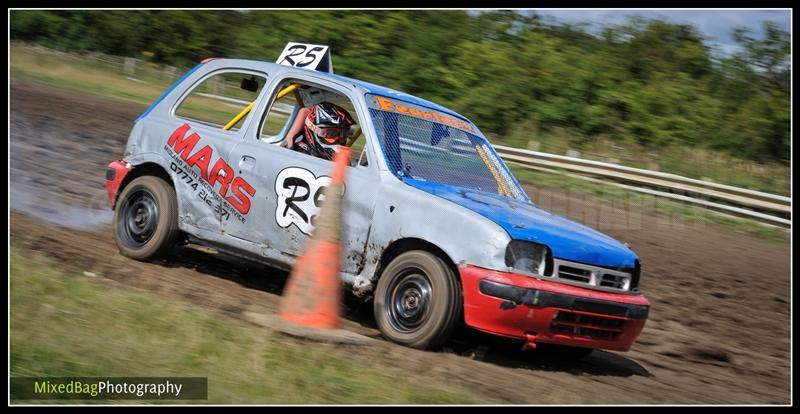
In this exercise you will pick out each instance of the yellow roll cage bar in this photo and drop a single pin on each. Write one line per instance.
(285, 91)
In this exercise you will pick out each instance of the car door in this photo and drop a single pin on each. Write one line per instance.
(200, 142)
(289, 192)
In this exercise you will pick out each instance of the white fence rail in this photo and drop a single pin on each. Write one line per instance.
(765, 207)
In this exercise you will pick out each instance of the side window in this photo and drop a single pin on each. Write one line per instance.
(294, 99)
(222, 100)
(280, 116)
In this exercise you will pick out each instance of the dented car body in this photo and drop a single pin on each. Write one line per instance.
(427, 180)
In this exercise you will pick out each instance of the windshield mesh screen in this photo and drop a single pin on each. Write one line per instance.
(431, 151)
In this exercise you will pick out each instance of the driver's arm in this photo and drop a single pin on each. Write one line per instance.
(297, 126)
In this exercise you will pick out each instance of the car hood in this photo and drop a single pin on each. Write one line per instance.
(525, 221)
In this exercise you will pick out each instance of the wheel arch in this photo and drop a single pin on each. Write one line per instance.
(407, 244)
(140, 170)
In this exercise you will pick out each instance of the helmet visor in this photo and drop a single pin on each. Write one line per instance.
(332, 135)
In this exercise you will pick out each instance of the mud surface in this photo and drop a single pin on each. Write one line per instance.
(718, 331)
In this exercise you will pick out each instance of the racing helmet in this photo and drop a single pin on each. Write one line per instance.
(328, 124)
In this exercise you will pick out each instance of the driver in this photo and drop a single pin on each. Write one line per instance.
(318, 130)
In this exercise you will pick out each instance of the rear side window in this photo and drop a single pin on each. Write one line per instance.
(221, 100)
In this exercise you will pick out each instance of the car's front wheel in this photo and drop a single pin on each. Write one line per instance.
(417, 300)
(146, 219)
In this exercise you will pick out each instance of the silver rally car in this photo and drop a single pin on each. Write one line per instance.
(437, 231)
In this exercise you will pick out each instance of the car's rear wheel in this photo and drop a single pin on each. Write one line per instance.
(417, 300)
(146, 219)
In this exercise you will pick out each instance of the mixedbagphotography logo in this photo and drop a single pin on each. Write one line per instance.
(117, 388)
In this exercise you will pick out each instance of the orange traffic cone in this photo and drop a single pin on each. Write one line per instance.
(312, 297)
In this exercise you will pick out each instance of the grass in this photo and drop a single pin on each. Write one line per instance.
(72, 325)
(83, 75)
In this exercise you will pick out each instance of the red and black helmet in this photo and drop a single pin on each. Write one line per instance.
(328, 124)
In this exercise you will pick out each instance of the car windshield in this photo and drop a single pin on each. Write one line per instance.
(428, 145)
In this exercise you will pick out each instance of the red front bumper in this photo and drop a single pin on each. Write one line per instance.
(115, 174)
(536, 310)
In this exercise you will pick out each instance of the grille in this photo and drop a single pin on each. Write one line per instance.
(573, 273)
(586, 326)
(592, 276)
(613, 281)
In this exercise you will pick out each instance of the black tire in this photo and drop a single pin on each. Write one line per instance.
(564, 352)
(146, 219)
(417, 300)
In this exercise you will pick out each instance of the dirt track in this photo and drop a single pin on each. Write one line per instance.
(718, 331)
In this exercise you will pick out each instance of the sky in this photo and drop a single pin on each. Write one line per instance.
(715, 24)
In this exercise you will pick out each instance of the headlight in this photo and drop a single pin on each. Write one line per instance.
(529, 257)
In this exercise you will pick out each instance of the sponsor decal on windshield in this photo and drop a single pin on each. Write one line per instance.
(400, 107)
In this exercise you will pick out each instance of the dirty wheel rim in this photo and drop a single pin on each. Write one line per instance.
(409, 300)
(139, 218)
